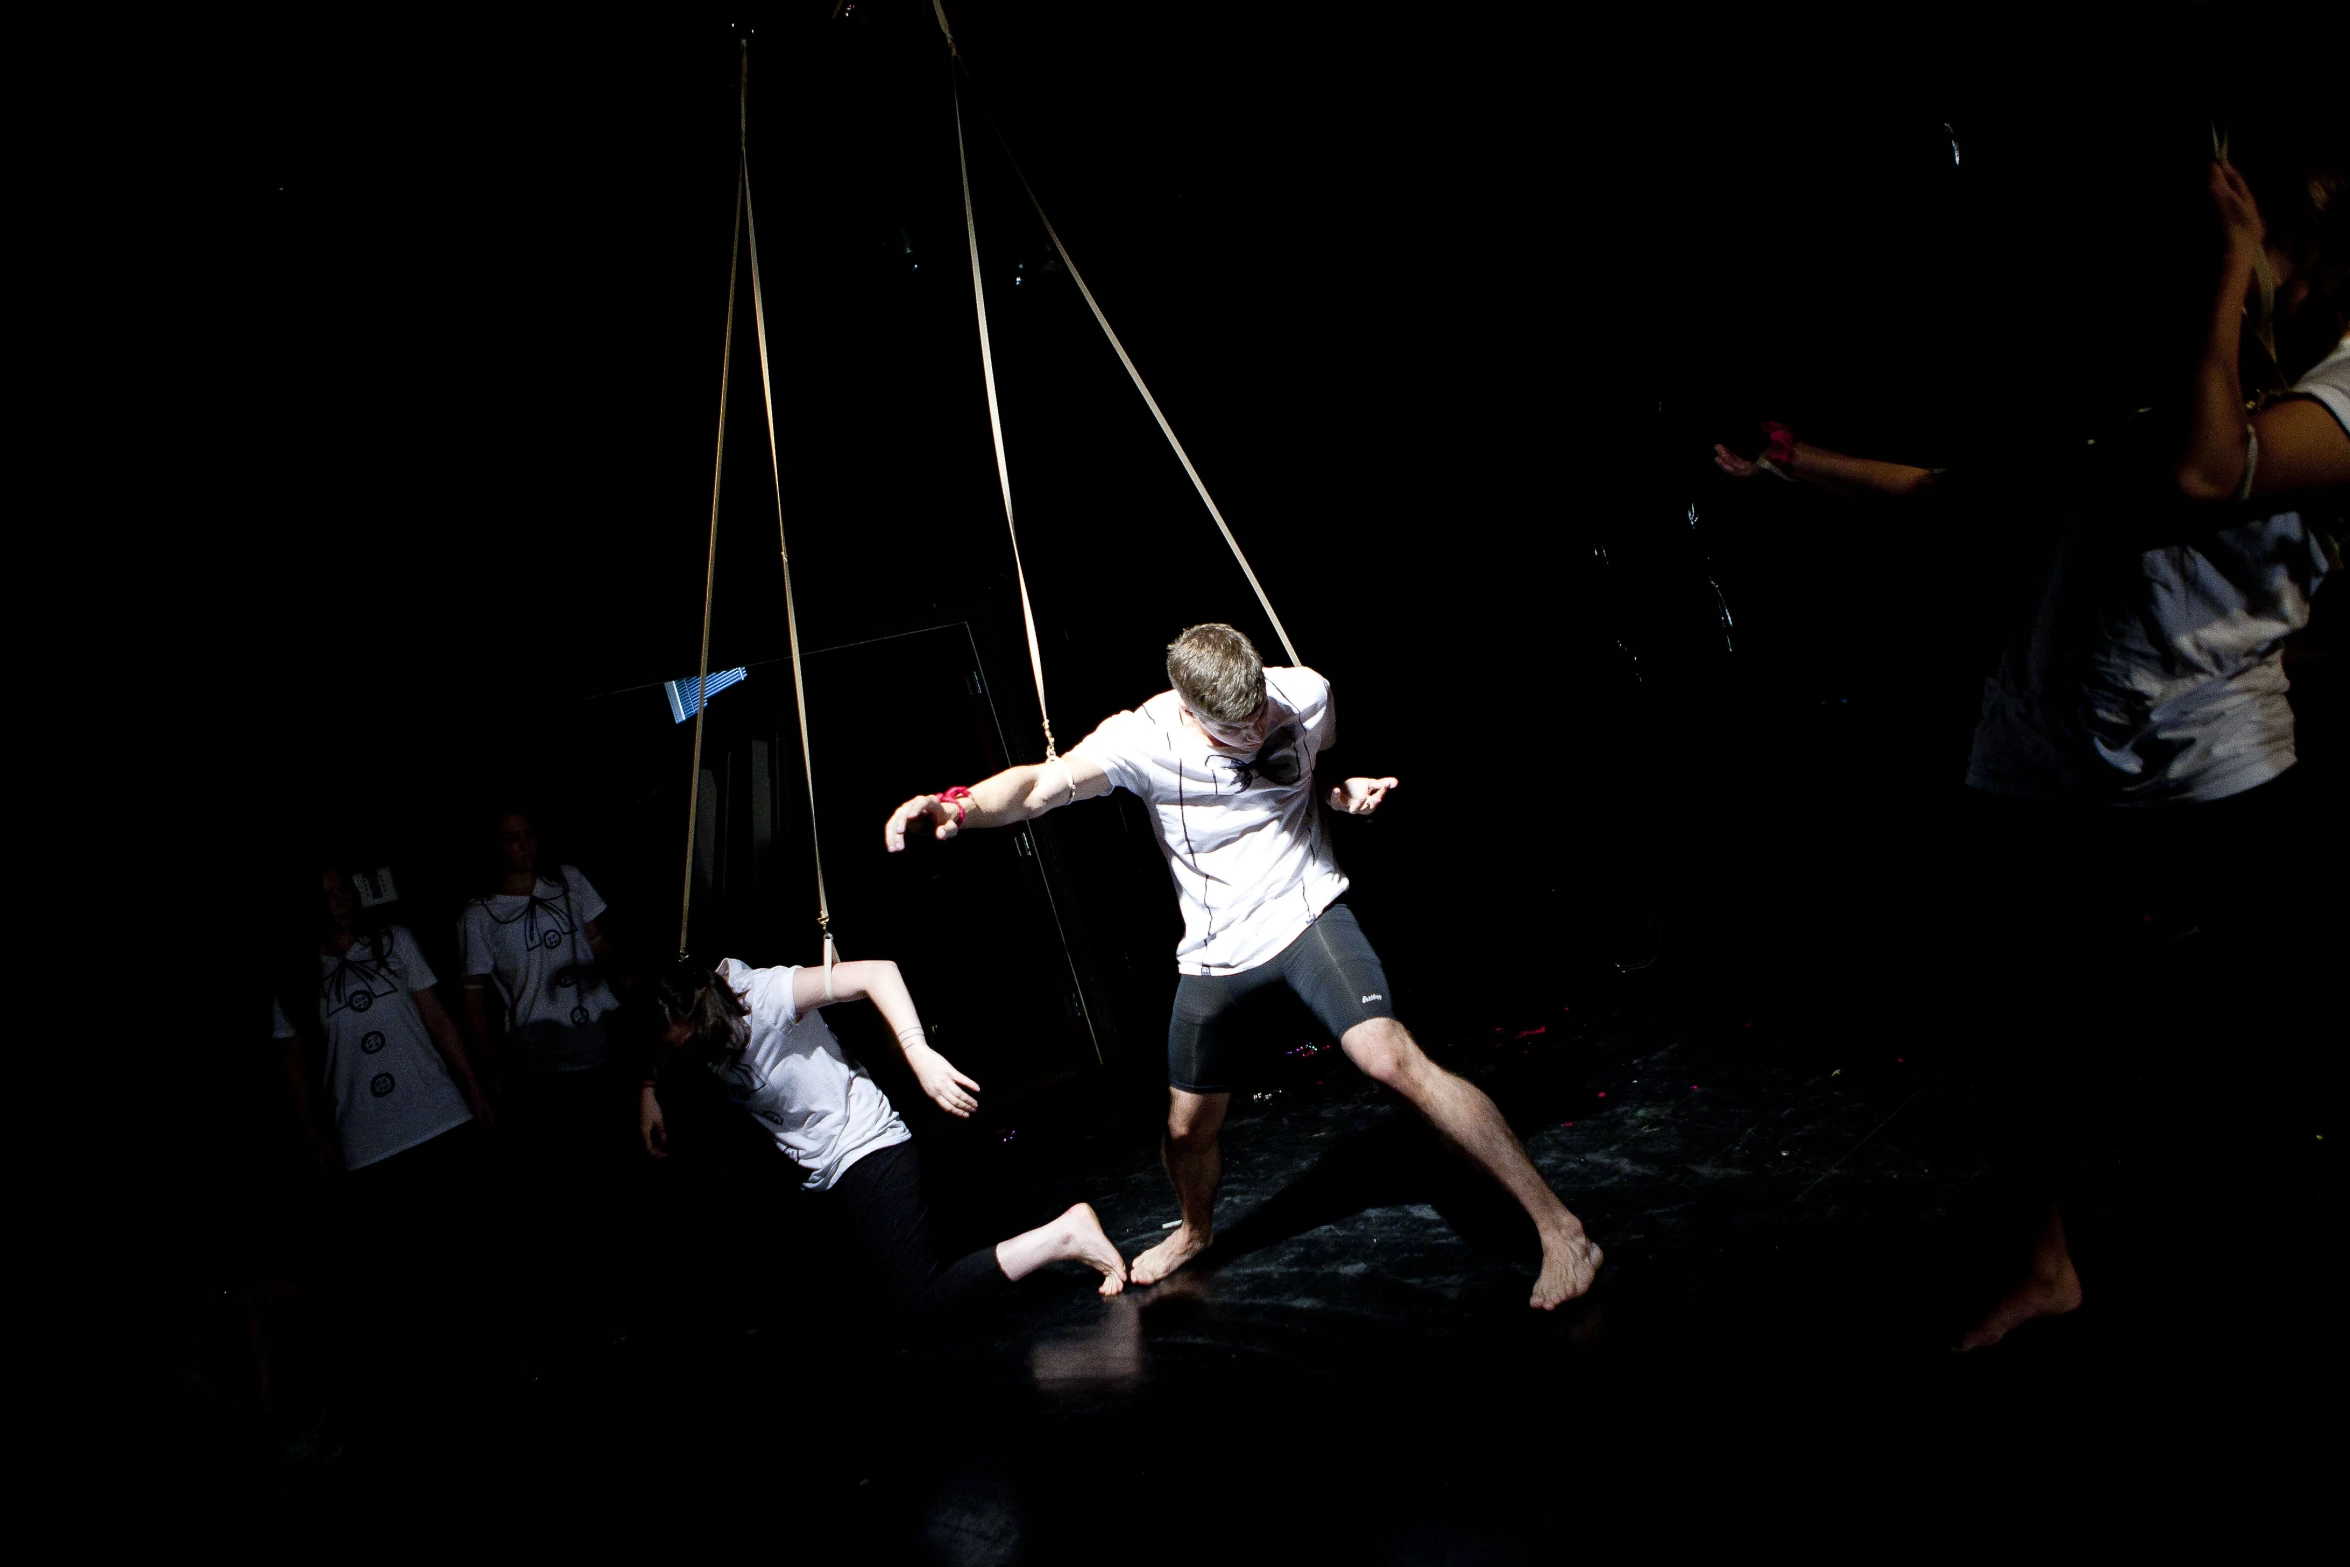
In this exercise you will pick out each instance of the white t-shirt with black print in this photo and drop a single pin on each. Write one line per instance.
(388, 1083)
(821, 1108)
(534, 949)
(1243, 836)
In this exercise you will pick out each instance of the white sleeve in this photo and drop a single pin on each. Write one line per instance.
(1309, 695)
(407, 960)
(2329, 385)
(584, 898)
(279, 1027)
(1121, 747)
(473, 942)
(766, 991)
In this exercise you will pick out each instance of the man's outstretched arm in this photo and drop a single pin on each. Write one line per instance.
(1017, 794)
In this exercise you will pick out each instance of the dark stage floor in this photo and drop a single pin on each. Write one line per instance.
(1790, 1208)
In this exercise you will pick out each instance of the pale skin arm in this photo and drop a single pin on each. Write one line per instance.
(451, 1045)
(1017, 794)
(2301, 447)
(1863, 479)
(649, 1124)
(878, 981)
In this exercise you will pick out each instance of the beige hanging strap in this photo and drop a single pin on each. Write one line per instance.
(693, 793)
(1150, 402)
(995, 418)
(791, 613)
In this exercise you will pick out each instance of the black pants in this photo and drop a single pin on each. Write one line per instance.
(884, 1216)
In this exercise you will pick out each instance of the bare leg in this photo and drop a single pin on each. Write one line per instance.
(1076, 1236)
(2050, 1288)
(1462, 1113)
(1195, 1163)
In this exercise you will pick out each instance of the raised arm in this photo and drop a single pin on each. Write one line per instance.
(2301, 447)
(1017, 794)
(878, 981)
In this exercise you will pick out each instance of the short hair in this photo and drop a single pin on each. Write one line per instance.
(1217, 673)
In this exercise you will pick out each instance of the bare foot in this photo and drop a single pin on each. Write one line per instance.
(1570, 1262)
(1169, 1254)
(2051, 1291)
(1083, 1240)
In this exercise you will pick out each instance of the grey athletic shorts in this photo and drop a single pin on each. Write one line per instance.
(1330, 967)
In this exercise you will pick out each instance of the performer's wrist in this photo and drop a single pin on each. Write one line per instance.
(956, 798)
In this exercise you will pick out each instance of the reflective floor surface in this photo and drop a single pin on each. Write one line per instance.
(1797, 1218)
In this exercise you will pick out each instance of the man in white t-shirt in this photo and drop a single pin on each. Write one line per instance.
(1226, 762)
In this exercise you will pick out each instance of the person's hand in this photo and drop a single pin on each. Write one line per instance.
(649, 1124)
(1735, 466)
(484, 1117)
(939, 1079)
(942, 815)
(1775, 458)
(2239, 215)
(1359, 796)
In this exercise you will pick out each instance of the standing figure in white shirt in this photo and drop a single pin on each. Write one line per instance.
(2136, 746)
(758, 1033)
(392, 1111)
(370, 1031)
(536, 1001)
(534, 961)
(1226, 762)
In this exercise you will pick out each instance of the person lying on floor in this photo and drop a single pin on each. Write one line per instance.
(758, 1033)
(1226, 761)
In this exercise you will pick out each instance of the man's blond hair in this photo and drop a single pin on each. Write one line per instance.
(1217, 673)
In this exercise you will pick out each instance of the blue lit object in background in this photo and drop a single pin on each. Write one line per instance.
(685, 696)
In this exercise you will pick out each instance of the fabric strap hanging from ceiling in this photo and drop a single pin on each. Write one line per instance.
(1124, 358)
(746, 226)
(995, 424)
